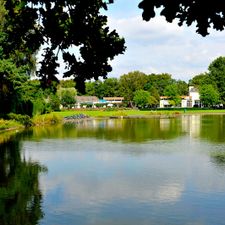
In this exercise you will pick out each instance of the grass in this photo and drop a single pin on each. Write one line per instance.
(133, 112)
(104, 113)
(9, 124)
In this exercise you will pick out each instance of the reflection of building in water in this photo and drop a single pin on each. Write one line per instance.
(195, 123)
(191, 125)
(185, 123)
(165, 124)
(102, 123)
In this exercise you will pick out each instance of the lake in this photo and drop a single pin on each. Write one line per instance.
(156, 171)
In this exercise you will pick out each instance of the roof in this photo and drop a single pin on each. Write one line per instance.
(182, 97)
(86, 99)
(113, 98)
(193, 89)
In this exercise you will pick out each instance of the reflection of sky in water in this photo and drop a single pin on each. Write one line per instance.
(100, 182)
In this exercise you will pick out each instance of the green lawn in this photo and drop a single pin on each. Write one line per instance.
(131, 112)
(9, 124)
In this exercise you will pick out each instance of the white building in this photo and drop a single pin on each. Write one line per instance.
(189, 101)
(195, 97)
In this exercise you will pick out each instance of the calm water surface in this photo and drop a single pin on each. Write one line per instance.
(116, 172)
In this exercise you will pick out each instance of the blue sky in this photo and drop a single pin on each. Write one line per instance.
(161, 47)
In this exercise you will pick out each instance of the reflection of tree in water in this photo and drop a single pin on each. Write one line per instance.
(20, 196)
(218, 158)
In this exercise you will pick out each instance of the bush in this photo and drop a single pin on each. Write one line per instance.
(7, 124)
(47, 119)
(38, 107)
(22, 119)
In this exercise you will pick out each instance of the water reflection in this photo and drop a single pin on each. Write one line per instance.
(208, 127)
(20, 195)
(97, 182)
(116, 172)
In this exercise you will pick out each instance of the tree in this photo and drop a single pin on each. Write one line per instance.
(142, 98)
(62, 25)
(182, 87)
(209, 96)
(203, 13)
(158, 81)
(12, 80)
(172, 92)
(67, 97)
(90, 88)
(111, 87)
(217, 74)
(95, 88)
(67, 83)
(131, 82)
(155, 97)
(53, 103)
(201, 79)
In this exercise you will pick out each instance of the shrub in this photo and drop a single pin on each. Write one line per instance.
(6, 124)
(47, 119)
(38, 107)
(22, 119)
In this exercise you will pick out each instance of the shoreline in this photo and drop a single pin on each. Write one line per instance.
(76, 118)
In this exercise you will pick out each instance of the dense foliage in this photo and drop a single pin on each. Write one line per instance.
(74, 29)
(204, 13)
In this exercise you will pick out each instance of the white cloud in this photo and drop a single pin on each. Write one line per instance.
(158, 46)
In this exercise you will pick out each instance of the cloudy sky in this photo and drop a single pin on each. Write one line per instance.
(161, 47)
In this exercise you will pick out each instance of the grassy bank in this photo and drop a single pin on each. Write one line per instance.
(17, 122)
(9, 125)
(132, 112)
(57, 117)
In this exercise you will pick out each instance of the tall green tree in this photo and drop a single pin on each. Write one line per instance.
(182, 87)
(217, 74)
(209, 96)
(111, 87)
(159, 82)
(131, 82)
(155, 97)
(95, 88)
(67, 97)
(201, 79)
(142, 98)
(173, 93)
(67, 83)
(12, 81)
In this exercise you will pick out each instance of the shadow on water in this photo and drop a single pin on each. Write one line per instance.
(218, 159)
(20, 195)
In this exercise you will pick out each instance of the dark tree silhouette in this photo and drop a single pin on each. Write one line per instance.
(62, 26)
(204, 13)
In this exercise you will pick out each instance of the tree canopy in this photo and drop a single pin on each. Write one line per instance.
(204, 13)
(217, 75)
(209, 96)
(76, 29)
